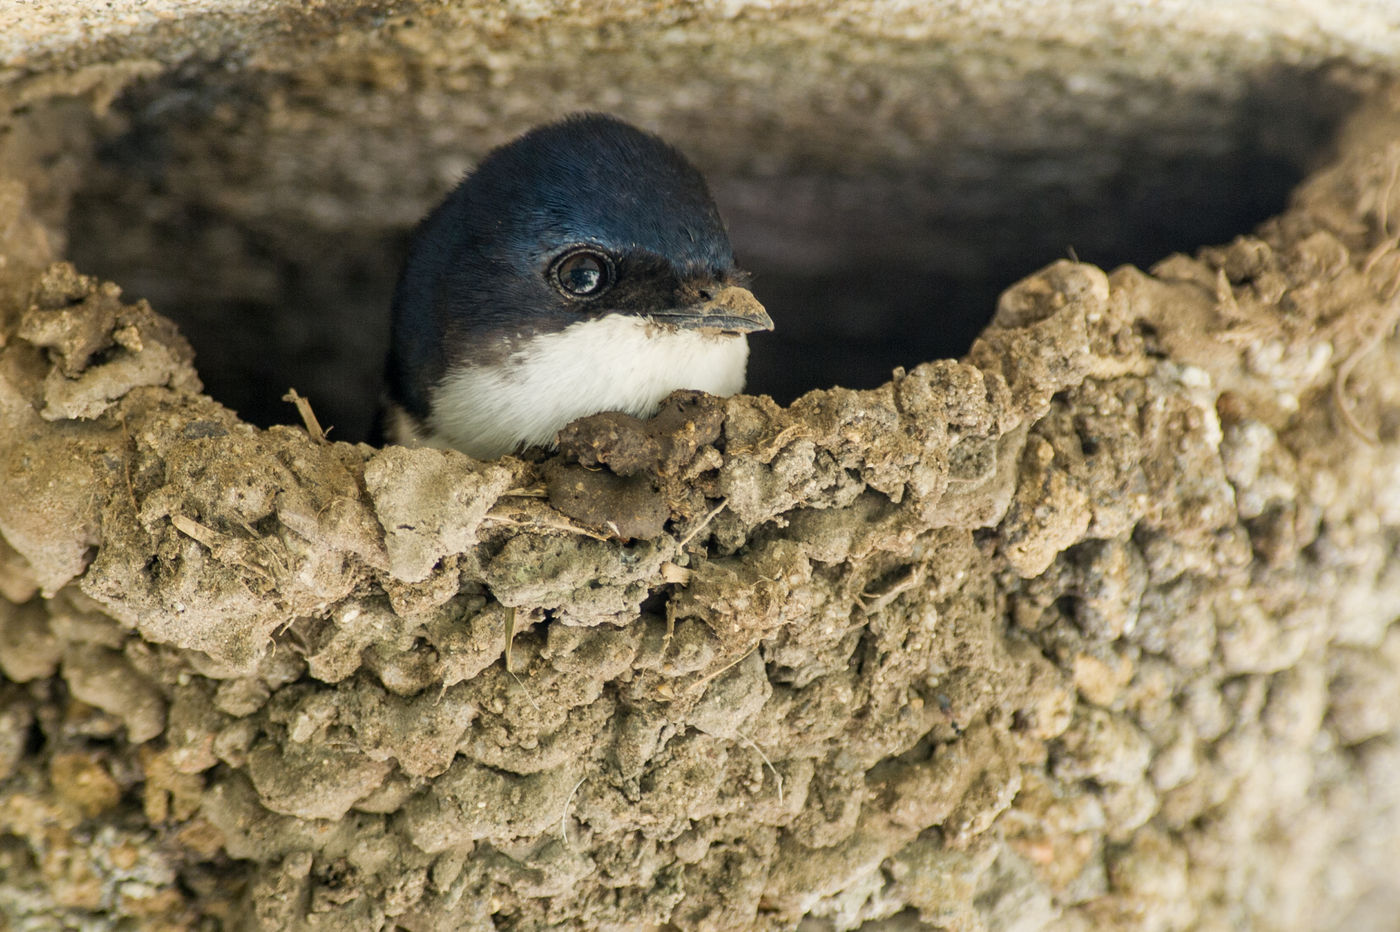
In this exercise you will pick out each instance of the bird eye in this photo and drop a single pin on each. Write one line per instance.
(583, 273)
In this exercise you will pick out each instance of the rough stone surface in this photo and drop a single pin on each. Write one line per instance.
(1093, 628)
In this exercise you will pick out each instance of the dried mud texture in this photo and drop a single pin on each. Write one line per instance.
(1093, 629)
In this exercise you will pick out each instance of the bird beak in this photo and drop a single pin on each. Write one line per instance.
(730, 310)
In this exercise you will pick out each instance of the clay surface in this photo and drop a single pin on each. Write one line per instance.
(1093, 628)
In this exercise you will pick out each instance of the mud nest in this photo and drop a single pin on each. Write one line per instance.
(1094, 627)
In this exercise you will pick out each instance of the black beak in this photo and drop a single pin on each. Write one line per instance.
(730, 310)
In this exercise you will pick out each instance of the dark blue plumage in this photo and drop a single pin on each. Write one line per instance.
(583, 233)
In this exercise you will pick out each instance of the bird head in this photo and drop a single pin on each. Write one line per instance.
(587, 221)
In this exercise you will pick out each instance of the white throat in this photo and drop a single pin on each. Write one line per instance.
(611, 363)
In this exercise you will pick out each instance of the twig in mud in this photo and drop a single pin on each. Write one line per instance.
(1383, 209)
(272, 556)
(880, 600)
(564, 816)
(710, 677)
(776, 776)
(524, 689)
(1383, 321)
(546, 525)
(704, 523)
(308, 417)
(219, 546)
(510, 636)
(1339, 390)
(510, 643)
(193, 529)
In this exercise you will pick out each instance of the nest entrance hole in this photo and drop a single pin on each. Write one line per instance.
(276, 252)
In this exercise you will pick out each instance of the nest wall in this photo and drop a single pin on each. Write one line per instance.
(1091, 628)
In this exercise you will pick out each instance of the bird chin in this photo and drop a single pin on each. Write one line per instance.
(400, 426)
(612, 363)
(406, 430)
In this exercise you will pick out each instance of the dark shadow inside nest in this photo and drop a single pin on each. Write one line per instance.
(862, 272)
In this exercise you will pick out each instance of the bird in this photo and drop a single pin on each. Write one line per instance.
(581, 268)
